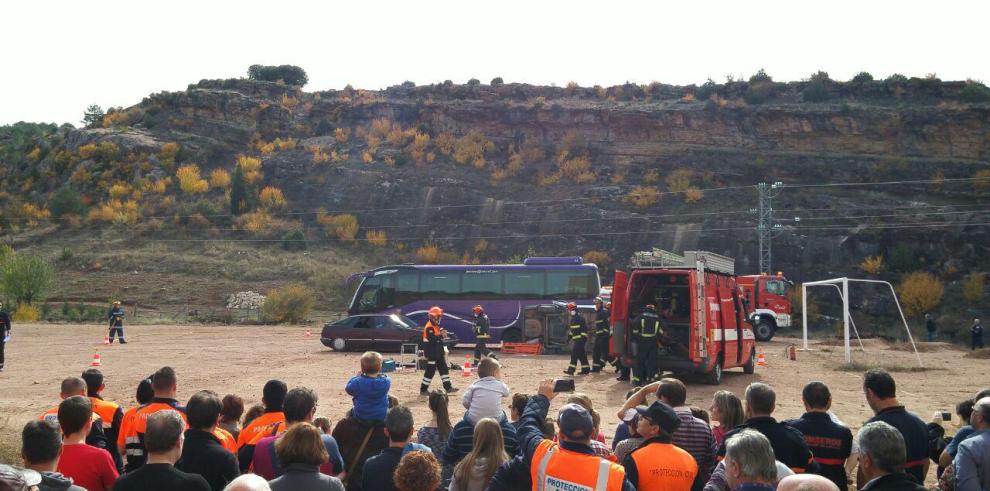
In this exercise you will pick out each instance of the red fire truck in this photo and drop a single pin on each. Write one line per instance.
(700, 306)
(766, 302)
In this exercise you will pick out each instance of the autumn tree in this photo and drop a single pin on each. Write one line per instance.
(220, 179)
(872, 264)
(920, 292)
(190, 181)
(973, 287)
(272, 198)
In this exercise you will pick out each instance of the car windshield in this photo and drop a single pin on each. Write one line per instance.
(403, 321)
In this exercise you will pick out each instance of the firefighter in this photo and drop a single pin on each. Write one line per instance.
(4, 332)
(621, 368)
(116, 318)
(433, 349)
(482, 325)
(646, 331)
(602, 333)
(577, 332)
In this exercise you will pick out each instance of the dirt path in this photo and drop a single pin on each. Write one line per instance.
(240, 359)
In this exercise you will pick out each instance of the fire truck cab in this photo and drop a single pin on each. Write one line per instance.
(767, 303)
(701, 311)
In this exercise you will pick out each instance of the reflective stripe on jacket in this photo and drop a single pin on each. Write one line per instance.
(555, 468)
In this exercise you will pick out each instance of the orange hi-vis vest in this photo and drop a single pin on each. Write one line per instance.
(226, 439)
(137, 426)
(106, 409)
(51, 416)
(261, 425)
(557, 469)
(664, 467)
(431, 326)
(125, 426)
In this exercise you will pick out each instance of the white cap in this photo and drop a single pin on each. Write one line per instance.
(629, 415)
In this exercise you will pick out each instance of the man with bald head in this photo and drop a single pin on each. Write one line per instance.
(76, 386)
(806, 482)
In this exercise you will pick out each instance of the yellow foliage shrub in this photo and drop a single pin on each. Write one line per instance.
(366, 157)
(872, 264)
(643, 196)
(86, 151)
(189, 180)
(651, 177)
(34, 154)
(115, 118)
(219, 179)
(548, 179)
(344, 226)
(256, 222)
(600, 258)
(251, 167)
(119, 191)
(433, 254)
(115, 211)
(266, 148)
(418, 148)
(445, 143)
(318, 156)
(287, 144)
(272, 198)
(981, 181)
(693, 194)
(973, 287)
(920, 292)
(168, 152)
(377, 238)
(481, 246)
(290, 304)
(471, 149)
(158, 187)
(679, 180)
(26, 313)
(340, 135)
(289, 102)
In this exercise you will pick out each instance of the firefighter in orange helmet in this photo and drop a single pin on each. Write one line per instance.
(482, 326)
(433, 349)
(577, 333)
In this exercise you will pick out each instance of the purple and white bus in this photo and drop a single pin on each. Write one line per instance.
(504, 290)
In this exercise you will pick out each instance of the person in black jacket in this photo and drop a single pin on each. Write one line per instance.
(116, 318)
(787, 442)
(4, 332)
(482, 328)
(646, 332)
(882, 458)
(829, 442)
(516, 473)
(602, 334)
(433, 350)
(577, 333)
(202, 452)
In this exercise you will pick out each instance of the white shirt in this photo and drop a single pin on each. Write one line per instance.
(483, 399)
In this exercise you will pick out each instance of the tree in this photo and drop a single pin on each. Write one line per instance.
(25, 278)
(93, 115)
(291, 304)
(760, 76)
(66, 202)
(920, 292)
(474, 82)
(238, 192)
(973, 287)
(497, 81)
(862, 78)
(288, 74)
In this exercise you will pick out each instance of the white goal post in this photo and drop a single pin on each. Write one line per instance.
(844, 282)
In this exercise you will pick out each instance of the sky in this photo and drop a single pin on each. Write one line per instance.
(61, 56)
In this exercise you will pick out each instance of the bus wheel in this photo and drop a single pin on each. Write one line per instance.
(512, 335)
(338, 344)
(764, 331)
(714, 377)
(750, 367)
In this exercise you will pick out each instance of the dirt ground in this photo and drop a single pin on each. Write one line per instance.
(241, 359)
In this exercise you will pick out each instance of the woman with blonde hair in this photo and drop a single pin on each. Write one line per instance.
(487, 454)
(597, 442)
(727, 409)
(301, 452)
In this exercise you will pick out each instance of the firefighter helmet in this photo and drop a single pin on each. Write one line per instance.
(571, 306)
(436, 312)
(116, 302)
(650, 306)
(608, 305)
(477, 309)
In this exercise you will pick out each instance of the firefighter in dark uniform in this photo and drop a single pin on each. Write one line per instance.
(116, 318)
(482, 326)
(577, 333)
(621, 368)
(646, 332)
(4, 332)
(602, 333)
(433, 350)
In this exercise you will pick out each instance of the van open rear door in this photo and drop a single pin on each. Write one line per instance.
(620, 314)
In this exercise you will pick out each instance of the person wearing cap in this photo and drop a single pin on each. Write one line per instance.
(569, 463)
(116, 318)
(657, 463)
(631, 442)
(433, 350)
(482, 326)
(602, 333)
(646, 332)
(4, 332)
(577, 333)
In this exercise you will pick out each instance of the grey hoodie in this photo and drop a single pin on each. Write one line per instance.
(53, 481)
(475, 481)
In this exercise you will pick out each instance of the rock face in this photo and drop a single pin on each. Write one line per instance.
(245, 300)
(870, 133)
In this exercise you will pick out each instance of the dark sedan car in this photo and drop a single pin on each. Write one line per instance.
(378, 332)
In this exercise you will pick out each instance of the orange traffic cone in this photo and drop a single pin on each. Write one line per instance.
(466, 367)
(106, 341)
(761, 359)
(96, 360)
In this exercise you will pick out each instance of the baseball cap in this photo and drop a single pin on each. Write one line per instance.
(629, 415)
(662, 415)
(575, 422)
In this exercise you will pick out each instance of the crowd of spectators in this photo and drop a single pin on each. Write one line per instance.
(504, 442)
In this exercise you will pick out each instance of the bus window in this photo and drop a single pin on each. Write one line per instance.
(776, 287)
(483, 285)
(407, 287)
(524, 284)
(370, 297)
(442, 285)
(563, 284)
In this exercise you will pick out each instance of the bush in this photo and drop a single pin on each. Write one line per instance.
(973, 287)
(862, 78)
(272, 198)
(974, 92)
(706, 90)
(599, 258)
(497, 81)
(920, 292)
(344, 226)
(474, 82)
(290, 304)
(93, 115)
(981, 180)
(760, 76)
(872, 264)
(643, 196)
(294, 240)
(901, 259)
(472, 148)
(815, 91)
(26, 313)
(66, 201)
(25, 278)
(377, 238)
(189, 180)
(220, 179)
(896, 79)
(288, 74)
